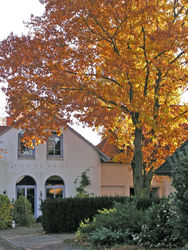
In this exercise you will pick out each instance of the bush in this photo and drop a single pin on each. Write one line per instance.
(117, 225)
(22, 212)
(158, 230)
(65, 215)
(5, 212)
(145, 203)
(180, 182)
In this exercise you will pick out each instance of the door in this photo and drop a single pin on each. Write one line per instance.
(29, 192)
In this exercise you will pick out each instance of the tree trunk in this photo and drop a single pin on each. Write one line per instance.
(141, 179)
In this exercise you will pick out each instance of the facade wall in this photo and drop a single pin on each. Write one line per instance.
(78, 156)
(116, 179)
(106, 178)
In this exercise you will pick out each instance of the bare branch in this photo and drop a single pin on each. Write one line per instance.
(178, 56)
(176, 14)
(116, 31)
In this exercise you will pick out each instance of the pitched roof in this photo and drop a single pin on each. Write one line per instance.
(180, 155)
(3, 129)
(103, 156)
(108, 149)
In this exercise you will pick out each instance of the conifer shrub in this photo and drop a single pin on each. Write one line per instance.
(5, 212)
(65, 215)
(22, 212)
(112, 226)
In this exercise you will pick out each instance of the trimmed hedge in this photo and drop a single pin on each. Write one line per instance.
(65, 215)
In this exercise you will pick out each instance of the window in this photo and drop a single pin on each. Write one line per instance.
(154, 192)
(24, 151)
(55, 145)
(131, 190)
(54, 187)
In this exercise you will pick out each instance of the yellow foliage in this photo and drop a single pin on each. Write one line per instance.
(118, 64)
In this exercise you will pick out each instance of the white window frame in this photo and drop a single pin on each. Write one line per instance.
(61, 155)
(22, 155)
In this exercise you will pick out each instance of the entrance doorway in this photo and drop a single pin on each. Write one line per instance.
(55, 187)
(26, 186)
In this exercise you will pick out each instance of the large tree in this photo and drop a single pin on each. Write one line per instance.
(119, 64)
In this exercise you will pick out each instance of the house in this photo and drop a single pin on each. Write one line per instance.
(179, 157)
(50, 169)
(116, 177)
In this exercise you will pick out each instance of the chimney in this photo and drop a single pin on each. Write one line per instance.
(9, 120)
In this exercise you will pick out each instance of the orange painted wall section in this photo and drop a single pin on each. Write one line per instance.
(116, 179)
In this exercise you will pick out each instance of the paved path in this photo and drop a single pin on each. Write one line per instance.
(33, 238)
(6, 246)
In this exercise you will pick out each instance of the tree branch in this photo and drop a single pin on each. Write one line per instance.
(119, 27)
(110, 79)
(95, 33)
(176, 14)
(107, 34)
(176, 58)
(147, 63)
(122, 107)
(130, 89)
(156, 98)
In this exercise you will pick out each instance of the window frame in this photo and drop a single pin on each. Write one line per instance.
(22, 155)
(61, 155)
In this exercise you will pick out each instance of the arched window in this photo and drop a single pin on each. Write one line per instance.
(26, 186)
(54, 187)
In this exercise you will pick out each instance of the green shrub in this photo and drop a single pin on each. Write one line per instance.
(113, 226)
(108, 237)
(180, 182)
(22, 212)
(5, 212)
(145, 203)
(158, 230)
(65, 215)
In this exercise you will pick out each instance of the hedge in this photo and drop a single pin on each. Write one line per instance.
(65, 215)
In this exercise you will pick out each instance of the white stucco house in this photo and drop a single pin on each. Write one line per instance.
(50, 169)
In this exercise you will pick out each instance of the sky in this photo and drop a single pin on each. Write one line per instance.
(12, 15)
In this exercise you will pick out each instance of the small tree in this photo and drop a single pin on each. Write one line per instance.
(179, 162)
(84, 182)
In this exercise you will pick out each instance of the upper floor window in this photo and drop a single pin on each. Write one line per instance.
(55, 145)
(23, 150)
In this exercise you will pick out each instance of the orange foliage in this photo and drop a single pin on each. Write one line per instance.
(116, 64)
